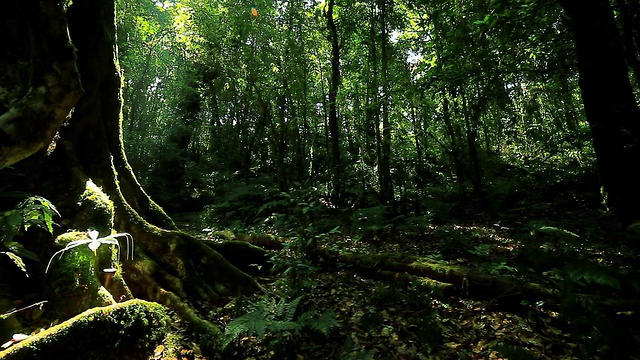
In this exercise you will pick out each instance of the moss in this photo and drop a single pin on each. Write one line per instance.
(73, 281)
(173, 345)
(129, 330)
(96, 210)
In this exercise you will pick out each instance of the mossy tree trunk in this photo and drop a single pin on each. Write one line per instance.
(36, 99)
(169, 266)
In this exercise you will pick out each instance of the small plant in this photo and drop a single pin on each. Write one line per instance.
(93, 242)
(296, 273)
(276, 322)
(370, 222)
(34, 211)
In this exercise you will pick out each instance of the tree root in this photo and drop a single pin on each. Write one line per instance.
(99, 333)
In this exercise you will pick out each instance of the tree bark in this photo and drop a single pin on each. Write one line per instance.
(334, 85)
(95, 134)
(384, 172)
(609, 103)
(30, 118)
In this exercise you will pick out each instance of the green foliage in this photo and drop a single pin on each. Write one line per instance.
(553, 254)
(595, 276)
(551, 234)
(300, 213)
(451, 243)
(635, 225)
(241, 205)
(213, 94)
(278, 323)
(295, 271)
(370, 222)
(34, 211)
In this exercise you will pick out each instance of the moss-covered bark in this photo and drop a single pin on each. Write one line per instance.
(40, 83)
(129, 330)
(465, 280)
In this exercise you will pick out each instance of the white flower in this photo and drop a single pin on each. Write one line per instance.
(94, 245)
(93, 234)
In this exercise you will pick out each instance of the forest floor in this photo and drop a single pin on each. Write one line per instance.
(315, 311)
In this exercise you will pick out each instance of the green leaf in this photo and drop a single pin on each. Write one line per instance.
(322, 323)
(17, 261)
(481, 250)
(634, 226)
(19, 250)
(13, 218)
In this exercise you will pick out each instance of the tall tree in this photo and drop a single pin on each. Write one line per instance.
(334, 86)
(386, 182)
(168, 264)
(609, 102)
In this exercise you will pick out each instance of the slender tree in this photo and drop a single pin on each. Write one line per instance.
(334, 85)
(386, 182)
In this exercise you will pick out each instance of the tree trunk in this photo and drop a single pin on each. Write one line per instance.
(334, 84)
(168, 265)
(31, 114)
(630, 18)
(454, 151)
(609, 103)
(384, 171)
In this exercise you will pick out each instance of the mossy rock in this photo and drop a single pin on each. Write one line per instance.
(129, 330)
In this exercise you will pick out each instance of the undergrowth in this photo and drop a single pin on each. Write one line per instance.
(566, 246)
(278, 324)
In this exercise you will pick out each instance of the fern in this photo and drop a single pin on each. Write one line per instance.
(278, 319)
(321, 323)
(273, 205)
(594, 274)
(252, 323)
(238, 192)
(288, 311)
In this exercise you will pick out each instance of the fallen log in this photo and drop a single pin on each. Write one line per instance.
(464, 281)
(467, 281)
(444, 278)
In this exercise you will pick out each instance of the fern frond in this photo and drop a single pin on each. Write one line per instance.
(277, 318)
(321, 323)
(250, 323)
(289, 310)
